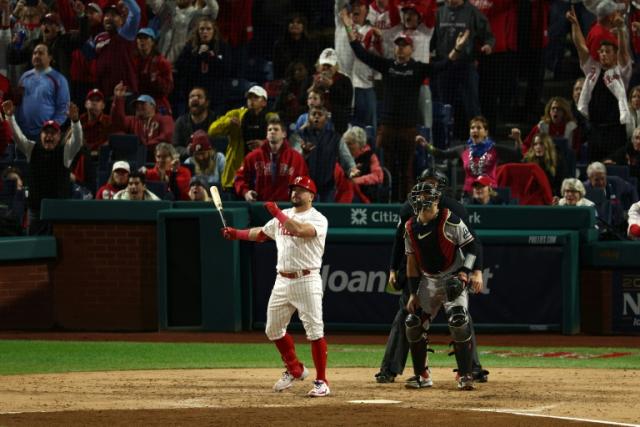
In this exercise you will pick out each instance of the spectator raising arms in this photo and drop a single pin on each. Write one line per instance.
(557, 122)
(49, 162)
(95, 123)
(147, 124)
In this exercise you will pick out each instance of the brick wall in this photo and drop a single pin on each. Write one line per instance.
(25, 295)
(105, 276)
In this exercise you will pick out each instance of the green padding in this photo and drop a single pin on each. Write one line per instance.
(209, 205)
(611, 254)
(102, 210)
(480, 217)
(221, 266)
(25, 248)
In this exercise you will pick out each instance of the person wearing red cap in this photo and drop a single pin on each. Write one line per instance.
(483, 193)
(603, 100)
(266, 171)
(61, 44)
(208, 164)
(300, 233)
(96, 124)
(49, 162)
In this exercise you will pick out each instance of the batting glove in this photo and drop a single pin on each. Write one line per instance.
(229, 233)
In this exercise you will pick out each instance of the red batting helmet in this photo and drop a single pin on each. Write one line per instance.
(304, 182)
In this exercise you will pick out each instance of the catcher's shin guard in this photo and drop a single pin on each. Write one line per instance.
(461, 333)
(414, 328)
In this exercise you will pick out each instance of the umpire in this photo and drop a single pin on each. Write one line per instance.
(397, 348)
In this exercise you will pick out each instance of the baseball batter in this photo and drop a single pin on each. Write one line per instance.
(441, 252)
(299, 233)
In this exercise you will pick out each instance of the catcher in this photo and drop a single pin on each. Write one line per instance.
(441, 252)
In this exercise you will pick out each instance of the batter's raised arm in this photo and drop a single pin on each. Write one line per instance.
(252, 234)
(298, 229)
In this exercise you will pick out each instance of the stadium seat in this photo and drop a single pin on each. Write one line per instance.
(128, 148)
(618, 170)
(158, 188)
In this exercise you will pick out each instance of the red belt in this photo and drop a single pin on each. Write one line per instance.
(294, 274)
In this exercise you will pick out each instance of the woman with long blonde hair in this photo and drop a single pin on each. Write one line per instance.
(543, 153)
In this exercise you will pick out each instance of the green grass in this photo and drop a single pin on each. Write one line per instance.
(26, 357)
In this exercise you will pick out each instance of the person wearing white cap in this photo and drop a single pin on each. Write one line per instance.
(175, 18)
(147, 124)
(245, 127)
(361, 75)
(336, 89)
(118, 180)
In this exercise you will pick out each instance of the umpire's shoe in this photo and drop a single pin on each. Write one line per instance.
(419, 381)
(481, 375)
(385, 377)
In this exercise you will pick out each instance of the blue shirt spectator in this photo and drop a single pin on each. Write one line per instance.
(45, 94)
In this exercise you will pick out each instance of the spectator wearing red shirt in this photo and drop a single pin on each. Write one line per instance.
(114, 48)
(153, 69)
(608, 13)
(117, 181)
(497, 86)
(147, 124)
(83, 69)
(168, 170)
(267, 171)
(95, 123)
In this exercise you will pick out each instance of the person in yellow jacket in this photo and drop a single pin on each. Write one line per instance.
(246, 128)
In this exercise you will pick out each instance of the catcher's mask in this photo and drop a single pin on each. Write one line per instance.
(423, 195)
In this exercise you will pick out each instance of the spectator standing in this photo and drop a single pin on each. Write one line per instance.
(136, 189)
(207, 163)
(460, 83)
(267, 171)
(236, 26)
(402, 79)
(581, 133)
(293, 96)
(26, 27)
(114, 48)
(49, 162)
(361, 75)
(245, 128)
(199, 117)
(154, 71)
(603, 99)
(61, 44)
(96, 125)
(497, 82)
(609, 16)
(336, 89)
(294, 46)
(322, 148)
(147, 124)
(45, 94)
(168, 170)
(204, 62)
(175, 18)
(118, 180)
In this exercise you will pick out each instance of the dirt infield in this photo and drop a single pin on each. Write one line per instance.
(244, 397)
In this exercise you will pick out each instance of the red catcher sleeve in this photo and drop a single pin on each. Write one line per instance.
(5, 136)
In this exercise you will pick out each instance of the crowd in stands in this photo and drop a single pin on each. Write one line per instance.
(162, 99)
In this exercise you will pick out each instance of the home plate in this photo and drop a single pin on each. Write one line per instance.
(375, 402)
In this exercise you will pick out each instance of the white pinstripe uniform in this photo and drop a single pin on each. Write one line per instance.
(304, 293)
